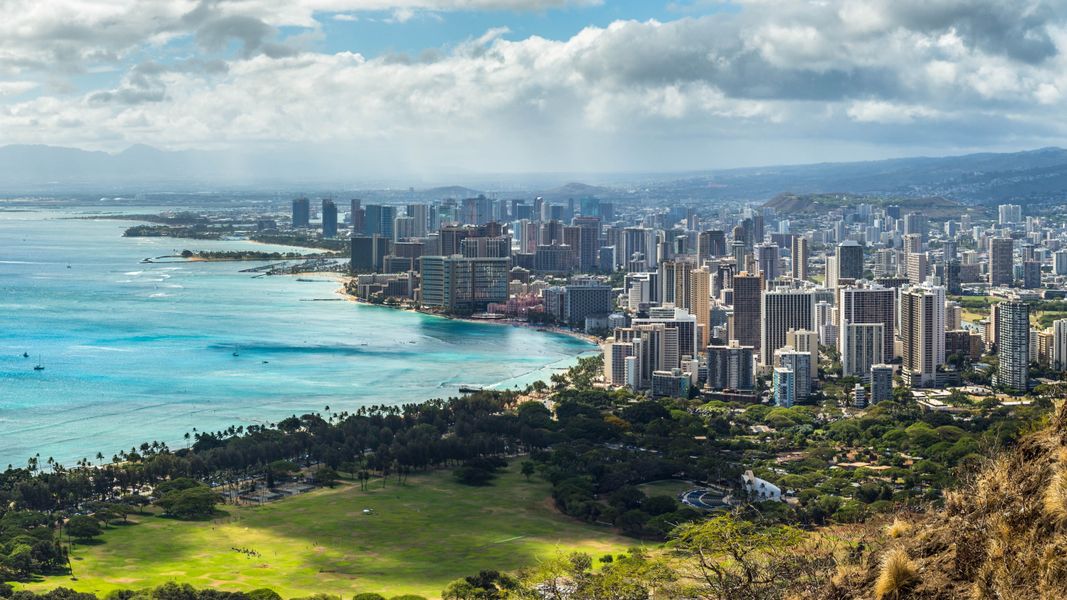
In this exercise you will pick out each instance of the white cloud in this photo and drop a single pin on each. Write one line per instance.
(828, 70)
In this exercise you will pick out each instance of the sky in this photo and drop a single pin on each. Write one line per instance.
(518, 86)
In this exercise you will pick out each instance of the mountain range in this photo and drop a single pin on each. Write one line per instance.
(1035, 176)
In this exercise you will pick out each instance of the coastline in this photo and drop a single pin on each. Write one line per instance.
(342, 279)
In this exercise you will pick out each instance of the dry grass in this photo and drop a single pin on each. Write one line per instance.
(898, 574)
(898, 529)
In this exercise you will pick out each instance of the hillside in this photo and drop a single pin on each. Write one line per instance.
(788, 203)
(1002, 536)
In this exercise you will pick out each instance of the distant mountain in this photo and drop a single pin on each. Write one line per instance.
(1025, 177)
(1031, 176)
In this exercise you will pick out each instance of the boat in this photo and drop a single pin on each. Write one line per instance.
(25, 355)
(38, 366)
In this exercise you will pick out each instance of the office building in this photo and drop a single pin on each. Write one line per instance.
(674, 319)
(1031, 274)
(329, 219)
(368, 253)
(674, 383)
(710, 244)
(1000, 261)
(420, 214)
(849, 260)
(782, 310)
(1013, 345)
(301, 213)
(767, 261)
(922, 330)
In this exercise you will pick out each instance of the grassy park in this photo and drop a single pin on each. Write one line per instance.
(420, 536)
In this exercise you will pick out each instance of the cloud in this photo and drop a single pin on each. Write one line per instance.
(765, 77)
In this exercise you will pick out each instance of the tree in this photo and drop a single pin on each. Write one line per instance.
(326, 477)
(83, 528)
(189, 503)
(740, 560)
(528, 469)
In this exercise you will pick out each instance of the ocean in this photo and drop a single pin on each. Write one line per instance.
(139, 352)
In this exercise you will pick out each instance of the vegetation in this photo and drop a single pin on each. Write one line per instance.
(241, 255)
(420, 536)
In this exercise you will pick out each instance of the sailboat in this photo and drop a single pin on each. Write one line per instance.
(38, 366)
(25, 355)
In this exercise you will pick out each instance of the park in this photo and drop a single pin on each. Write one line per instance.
(416, 538)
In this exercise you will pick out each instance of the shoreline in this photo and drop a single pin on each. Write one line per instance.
(502, 321)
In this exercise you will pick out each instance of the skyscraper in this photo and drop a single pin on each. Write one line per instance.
(301, 213)
(1000, 261)
(421, 215)
(459, 284)
(849, 257)
(710, 244)
(861, 346)
(800, 257)
(730, 367)
(1058, 350)
(869, 304)
(329, 218)
(767, 261)
(700, 303)
(1013, 346)
(922, 329)
(748, 290)
(782, 310)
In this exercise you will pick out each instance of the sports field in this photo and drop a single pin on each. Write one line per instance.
(420, 536)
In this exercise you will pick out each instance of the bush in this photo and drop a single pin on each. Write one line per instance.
(368, 596)
(264, 594)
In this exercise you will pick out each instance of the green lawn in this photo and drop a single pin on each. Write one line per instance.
(666, 487)
(421, 536)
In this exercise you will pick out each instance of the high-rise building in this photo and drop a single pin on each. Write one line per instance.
(1000, 261)
(784, 385)
(782, 310)
(849, 257)
(301, 213)
(403, 228)
(916, 223)
(675, 282)
(585, 300)
(1031, 274)
(922, 329)
(767, 261)
(861, 345)
(421, 215)
(1058, 349)
(458, 284)
(356, 216)
(329, 218)
(800, 257)
(800, 364)
(586, 242)
(1009, 214)
(731, 367)
(918, 268)
(1059, 262)
(869, 304)
(372, 219)
(700, 303)
(748, 291)
(710, 244)
(368, 252)
(881, 383)
(805, 340)
(678, 320)
(1013, 345)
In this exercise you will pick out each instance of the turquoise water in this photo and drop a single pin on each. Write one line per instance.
(138, 352)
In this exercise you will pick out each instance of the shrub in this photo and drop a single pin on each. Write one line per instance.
(897, 576)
